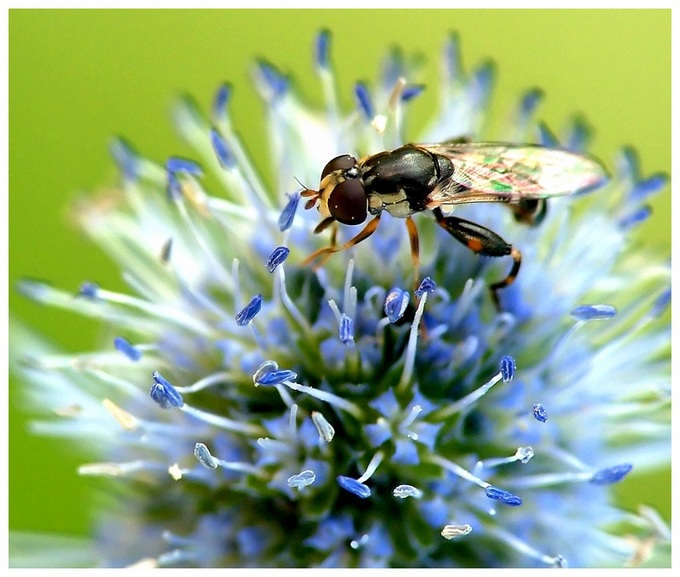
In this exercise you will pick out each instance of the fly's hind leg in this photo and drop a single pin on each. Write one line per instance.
(483, 241)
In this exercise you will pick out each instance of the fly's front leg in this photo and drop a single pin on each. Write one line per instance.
(481, 240)
(323, 254)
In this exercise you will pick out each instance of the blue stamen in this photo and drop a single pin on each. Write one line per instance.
(364, 99)
(530, 101)
(202, 453)
(288, 212)
(404, 491)
(611, 474)
(426, 286)
(88, 290)
(276, 377)
(263, 369)
(508, 367)
(630, 166)
(354, 486)
(546, 137)
(177, 164)
(651, 185)
(635, 217)
(277, 257)
(579, 136)
(221, 99)
(396, 303)
(482, 81)
(249, 311)
(540, 413)
(129, 350)
(502, 496)
(174, 189)
(393, 68)
(323, 41)
(126, 159)
(593, 312)
(164, 393)
(276, 81)
(661, 303)
(225, 157)
(302, 479)
(323, 427)
(452, 56)
(410, 92)
(346, 330)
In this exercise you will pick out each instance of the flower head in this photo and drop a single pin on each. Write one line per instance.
(262, 413)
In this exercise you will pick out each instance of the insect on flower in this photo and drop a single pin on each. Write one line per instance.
(437, 177)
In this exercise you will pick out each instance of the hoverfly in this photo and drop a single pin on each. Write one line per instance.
(418, 177)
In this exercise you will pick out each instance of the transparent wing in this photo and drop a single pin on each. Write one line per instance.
(500, 172)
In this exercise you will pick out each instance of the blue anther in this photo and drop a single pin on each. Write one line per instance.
(288, 212)
(593, 312)
(636, 217)
(396, 303)
(127, 348)
(611, 474)
(276, 377)
(346, 330)
(651, 185)
(177, 164)
(249, 311)
(277, 257)
(546, 137)
(354, 486)
(164, 393)
(88, 290)
(174, 188)
(530, 100)
(426, 286)
(221, 149)
(539, 412)
(502, 496)
(410, 92)
(507, 367)
(276, 81)
(579, 136)
(364, 99)
(323, 41)
(125, 158)
(661, 303)
(202, 453)
(221, 99)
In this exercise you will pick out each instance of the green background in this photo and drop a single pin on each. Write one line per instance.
(79, 77)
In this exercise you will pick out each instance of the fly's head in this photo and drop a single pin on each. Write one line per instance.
(341, 195)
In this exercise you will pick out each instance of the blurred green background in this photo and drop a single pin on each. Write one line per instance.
(78, 77)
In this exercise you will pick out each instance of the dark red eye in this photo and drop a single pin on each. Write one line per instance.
(338, 163)
(347, 203)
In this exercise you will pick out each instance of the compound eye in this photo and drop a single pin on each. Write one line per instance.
(342, 162)
(347, 203)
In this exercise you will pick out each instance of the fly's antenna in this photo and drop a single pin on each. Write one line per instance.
(313, 195)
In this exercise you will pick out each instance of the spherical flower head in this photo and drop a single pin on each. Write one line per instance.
(263, 413)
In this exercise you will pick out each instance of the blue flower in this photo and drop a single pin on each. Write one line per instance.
(327, 417)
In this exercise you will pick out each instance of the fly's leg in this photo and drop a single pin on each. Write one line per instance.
(530, 211)
(481, 240)
(415, 250)
(324, 253)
